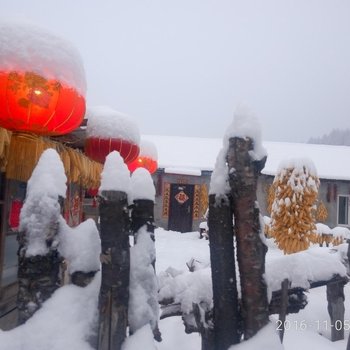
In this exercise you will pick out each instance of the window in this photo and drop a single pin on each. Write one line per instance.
(343, 210)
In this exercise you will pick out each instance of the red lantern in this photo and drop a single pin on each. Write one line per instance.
(42, 81)
(98, 149)
(109, 130)
(143, 162)
(31, 103)
(147, 158)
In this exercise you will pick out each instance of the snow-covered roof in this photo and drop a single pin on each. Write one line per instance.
(331, 162)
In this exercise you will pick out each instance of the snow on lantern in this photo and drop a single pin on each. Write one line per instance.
(147, 158)
(42, 81)
(108, 130)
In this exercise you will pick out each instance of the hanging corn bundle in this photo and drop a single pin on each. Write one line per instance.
(270, 197)
(321, 213)
(5, 140)
(293, 210)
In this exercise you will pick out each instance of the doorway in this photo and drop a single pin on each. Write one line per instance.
(181, 207)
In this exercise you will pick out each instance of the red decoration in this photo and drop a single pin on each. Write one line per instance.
(182, 197)
(98, 149)
(31, 103)
(143, 162)
(92, 192)
(15, 211)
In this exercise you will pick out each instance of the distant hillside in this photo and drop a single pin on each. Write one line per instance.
(335, 137)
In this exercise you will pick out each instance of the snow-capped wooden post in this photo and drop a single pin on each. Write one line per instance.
(39, 260)
(143, 194)
(246, 158)
(222, 259)
(115, 255)
(143, 302)
(336, 310)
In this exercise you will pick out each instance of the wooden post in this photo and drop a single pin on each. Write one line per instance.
(284, 306)
(336, 310)
(243, 176)
(348, 269)
(82, 279)
(222, 259)
(39, 275)
(38, 278)
(206, 332)
(115, 257)
(143, 214)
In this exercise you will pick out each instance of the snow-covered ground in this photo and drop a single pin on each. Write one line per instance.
(175, 249)
(65, 320)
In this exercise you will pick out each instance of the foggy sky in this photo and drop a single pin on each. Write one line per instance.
(181, 67)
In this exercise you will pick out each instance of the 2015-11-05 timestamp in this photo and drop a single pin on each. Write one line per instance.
(318, 325)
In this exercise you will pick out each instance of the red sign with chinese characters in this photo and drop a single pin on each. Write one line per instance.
(182, 197)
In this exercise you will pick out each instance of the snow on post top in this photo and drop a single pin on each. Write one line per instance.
(245, 124)
(48, 177)
(115, 175)
(105, 122)
(41, 210)
(148, 149)
(219, 178)
(27, 47)
(142, 186)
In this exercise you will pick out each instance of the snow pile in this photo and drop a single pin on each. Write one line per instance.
(115, 175)
(148, 149)
(80, 246)
(341, 232)
(142, 186)
(323, 229)
(244, 125)
(143, 299)
(266, 338)
(41, 208)
(187, 288)
(219, 184)
(141, 339)
(174, 249)
(336, 232)
(312, 265)
(104, 122)
(65, 321)
(26, 47)
(203, 225)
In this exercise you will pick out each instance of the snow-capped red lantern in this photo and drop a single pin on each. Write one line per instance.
(147, 158)
(42, 81)
(108, 130)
